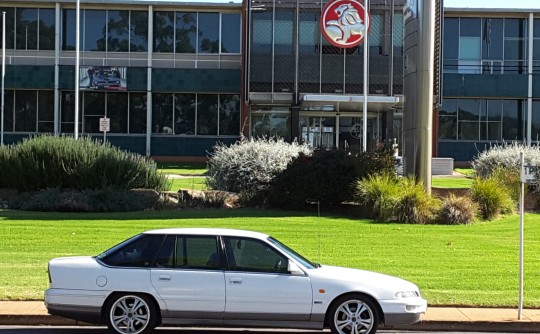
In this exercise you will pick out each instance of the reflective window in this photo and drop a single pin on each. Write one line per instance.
(513, 120)
(535, 131)
(448, 119)
(309, 34)
(469, 119)
(208, 32)
(254, 255)
(283, 32)
(25, 111)
(140, 251)
(95, 29)
(9, 108)
(536, 34)
(186, 32)
(46, 29)
(230, 33)
(207, 114)
(137, 112)
(138, 31)
(68, 29)
(94, 109)
(162, 113)
(117, 111)
(189, 252)
(262, 33)
(184, 114)
(46, 111)
(163, 31)
(27, 29)
(229, 114)
(492, 38)
(10, 26)
(491, 120)
(118, 31)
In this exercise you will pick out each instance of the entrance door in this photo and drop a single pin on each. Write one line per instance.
(350, 133)
(318, 131)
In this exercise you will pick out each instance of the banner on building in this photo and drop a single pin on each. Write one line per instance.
(103, 78)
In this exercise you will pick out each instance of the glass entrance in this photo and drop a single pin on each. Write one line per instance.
(341, 131)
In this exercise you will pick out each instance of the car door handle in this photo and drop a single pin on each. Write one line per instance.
(164, 277)
(235, 280)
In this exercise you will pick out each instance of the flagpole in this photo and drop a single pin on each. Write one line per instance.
(77, 66)
(366, 50)
(3, 76)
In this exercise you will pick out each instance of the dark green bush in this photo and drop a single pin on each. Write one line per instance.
(326, 176)
(457, 210)
(415, 205)
(492, 197)
(43, 162)
(99, 200)
(379, 192)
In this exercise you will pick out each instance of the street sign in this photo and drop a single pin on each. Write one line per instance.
(528, 172)
(104, 124)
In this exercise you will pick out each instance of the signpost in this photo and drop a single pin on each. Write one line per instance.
(528, 173)
(104, 126)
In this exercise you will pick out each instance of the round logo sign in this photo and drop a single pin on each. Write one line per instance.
(344, 23)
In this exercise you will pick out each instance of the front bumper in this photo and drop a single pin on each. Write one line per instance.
(403, 311)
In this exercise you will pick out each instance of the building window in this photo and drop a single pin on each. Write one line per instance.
(138, 31)
(208, 32)
(117, 111)
(95, 30)
(46, 111)
(271, 122)
(229, 114)
(137, 112)
(10, 27)
(185, 107)
(27, 29)
(118, 31)
(207, 114)
(186, 32)
(230, 33)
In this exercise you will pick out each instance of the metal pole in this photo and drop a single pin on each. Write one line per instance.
(521, 214)
(366, 58)
(3, 76)
(530, 75)
(77, 65)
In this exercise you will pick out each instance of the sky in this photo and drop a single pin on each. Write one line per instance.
(510, 4)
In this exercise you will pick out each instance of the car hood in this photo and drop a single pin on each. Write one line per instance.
(384, 286)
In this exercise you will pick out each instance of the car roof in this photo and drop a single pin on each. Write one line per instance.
(210, 231)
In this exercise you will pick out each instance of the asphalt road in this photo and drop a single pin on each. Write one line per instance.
(102, 330)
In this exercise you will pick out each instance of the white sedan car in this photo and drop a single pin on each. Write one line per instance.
(219, 277)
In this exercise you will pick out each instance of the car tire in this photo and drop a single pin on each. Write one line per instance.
(132, 314)
(354, 313)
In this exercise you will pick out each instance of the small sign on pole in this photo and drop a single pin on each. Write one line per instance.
(104, 126)
(528, 173)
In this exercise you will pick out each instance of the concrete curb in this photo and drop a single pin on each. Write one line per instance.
(425, 325)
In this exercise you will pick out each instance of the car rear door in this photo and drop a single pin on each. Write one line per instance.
(189, 278)
(258, 286)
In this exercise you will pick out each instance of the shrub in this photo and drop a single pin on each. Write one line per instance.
(99, 200)
(492, 197)
(62, 162)
(326, 176)
(249, 165)
(415, 205)
(510, 179)
(380, 192)
(505, 157)
(457, 210)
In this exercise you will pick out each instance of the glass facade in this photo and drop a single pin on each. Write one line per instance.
(29, 28)
(485, 45)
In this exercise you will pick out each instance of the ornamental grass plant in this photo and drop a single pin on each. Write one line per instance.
(63, 162)
(380, 192)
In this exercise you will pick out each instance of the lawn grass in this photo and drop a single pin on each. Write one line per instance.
(183, 168)
(474, 265)
(451, 182)
(192, 183)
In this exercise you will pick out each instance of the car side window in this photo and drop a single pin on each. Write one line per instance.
(141, 252)
(254, 255)
(189, 252)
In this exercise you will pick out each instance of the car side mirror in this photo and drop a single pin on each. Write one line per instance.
(294, 269)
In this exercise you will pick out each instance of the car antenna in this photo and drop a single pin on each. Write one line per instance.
(313, 201)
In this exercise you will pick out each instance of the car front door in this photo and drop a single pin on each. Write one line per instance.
(259, 287)
(189, 277)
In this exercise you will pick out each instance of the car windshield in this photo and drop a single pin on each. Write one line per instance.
(305, 262)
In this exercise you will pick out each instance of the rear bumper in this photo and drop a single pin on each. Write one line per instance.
(80, 313)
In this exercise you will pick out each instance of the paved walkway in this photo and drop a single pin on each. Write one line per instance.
(437, 318)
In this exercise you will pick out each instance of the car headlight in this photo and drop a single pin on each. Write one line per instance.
(407, 294)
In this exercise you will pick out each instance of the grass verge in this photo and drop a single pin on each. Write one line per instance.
(473, 265)
(192, 183)
(182, 168)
